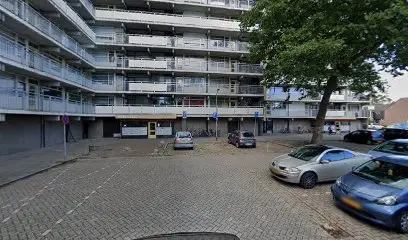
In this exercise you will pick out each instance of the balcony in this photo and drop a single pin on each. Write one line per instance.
(238, 4)
(244, 111)
(297, 96)
(179, 66)
(312, 113)
(18, 56)
(120, 15)
(74, 18)
(23, 12)
(15, 101)
(171, 42)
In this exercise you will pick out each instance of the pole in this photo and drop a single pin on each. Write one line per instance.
(216, 120)
(255, 125)
(65, 141)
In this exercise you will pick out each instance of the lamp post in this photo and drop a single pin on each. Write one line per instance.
(216, 119)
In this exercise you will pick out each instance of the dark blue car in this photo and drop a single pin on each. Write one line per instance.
(377, 191)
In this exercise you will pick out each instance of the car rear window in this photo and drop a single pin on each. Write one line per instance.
(247, 134)
(308, 152)
(183, 135)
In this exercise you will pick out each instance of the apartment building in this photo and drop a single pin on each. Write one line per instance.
(143, 68)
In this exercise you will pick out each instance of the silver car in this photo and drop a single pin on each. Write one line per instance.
(310, 164)
(183, 140)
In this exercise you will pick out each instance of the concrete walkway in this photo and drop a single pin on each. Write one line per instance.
(24, 164)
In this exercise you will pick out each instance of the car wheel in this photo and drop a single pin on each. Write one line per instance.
(254, 146)
(308, 180)
(402, 222)
(237, 144)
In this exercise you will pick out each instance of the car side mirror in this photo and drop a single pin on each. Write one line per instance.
(324, 161)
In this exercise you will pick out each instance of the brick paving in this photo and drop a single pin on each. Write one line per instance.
(134, 188)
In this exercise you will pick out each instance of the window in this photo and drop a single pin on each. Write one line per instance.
(335, 155)
(307, 153)
(397, 148)
(384, 173)
(247, 134)
(348, 155)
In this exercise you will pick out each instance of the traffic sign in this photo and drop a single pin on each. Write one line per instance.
(256, 114)
(185, 114)
(215, 115)
(64, 119)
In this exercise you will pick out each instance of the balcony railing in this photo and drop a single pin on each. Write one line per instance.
(235, 4)
(30, 16)
(170, 42)
(159, 87)
(298, 97)
(179, 65)
(20, 55)
(20, 100)
(312, 113)
(178, 110)
(121, 15)
(66, 10)
(89, 6)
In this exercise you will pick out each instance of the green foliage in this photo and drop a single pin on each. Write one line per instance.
(303, 43)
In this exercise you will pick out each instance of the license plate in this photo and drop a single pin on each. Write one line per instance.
(248, 144)
(351, 203)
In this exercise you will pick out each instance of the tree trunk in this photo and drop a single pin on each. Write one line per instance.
(321, 115)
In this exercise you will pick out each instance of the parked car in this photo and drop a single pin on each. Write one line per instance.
(310, 164)
(392, 147)
(396, 131)
(377, 191)
(365, 136)
(183, 140)
(242, 139)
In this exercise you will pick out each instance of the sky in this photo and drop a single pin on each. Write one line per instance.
(398, 87)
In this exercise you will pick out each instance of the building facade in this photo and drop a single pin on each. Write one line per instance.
(395, 112)
(142, 68)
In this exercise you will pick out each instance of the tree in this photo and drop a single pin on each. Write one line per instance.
(322, 45)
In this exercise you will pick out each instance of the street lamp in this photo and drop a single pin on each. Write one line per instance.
(216, 111)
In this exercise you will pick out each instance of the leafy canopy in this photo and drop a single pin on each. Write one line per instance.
(303, 43)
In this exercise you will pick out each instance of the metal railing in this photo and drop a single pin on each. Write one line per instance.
(312, 113)
(171, 42)
(65, 9)
(11, 99)
(122, 15)
(178, 65)
(19, 54)
(234, 4)
(178, 110)
(30, 16)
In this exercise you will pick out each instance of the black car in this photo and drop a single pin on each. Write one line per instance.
(242, 139)
(396, 131)
(365, 136)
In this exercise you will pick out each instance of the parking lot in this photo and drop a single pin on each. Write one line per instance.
(135, 188)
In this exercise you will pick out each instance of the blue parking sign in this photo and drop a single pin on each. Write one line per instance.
(256, 114)
(215, 115)
(184, 114)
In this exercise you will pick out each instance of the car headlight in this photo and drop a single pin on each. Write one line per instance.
(292, 170)
(338, 181)
(388, 200)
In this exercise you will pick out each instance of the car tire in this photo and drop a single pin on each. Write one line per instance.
(308, 180)
(254, 146)
(402, 222)
(237, 144)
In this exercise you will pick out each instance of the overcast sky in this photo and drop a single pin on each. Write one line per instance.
(398, 87)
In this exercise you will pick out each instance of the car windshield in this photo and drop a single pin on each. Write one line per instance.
(397, 148)
(384, 173)
(306, 153)
(247, 134)
(184, 135)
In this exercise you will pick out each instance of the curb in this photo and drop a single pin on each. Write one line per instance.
(40, 171)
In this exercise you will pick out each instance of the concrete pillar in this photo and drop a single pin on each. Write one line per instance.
(82, 102)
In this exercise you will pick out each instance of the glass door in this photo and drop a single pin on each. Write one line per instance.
(152, 130)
